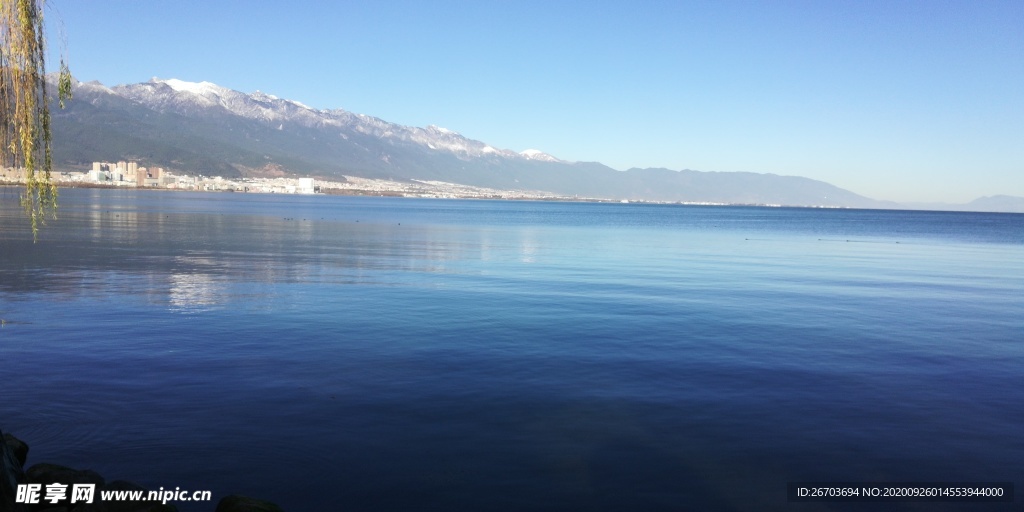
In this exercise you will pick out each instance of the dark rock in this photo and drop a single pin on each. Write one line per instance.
(17, 446)
(14, 452)
(11, 475)
(236, 503)
(46, 474)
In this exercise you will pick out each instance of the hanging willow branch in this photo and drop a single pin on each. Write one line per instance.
(25, 107)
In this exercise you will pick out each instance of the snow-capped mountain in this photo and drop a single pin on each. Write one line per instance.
(203, 128)
(536, 154)
(205, 98)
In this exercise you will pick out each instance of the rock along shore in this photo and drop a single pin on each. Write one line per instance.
(14, 454)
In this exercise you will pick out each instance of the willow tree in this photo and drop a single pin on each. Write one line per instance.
(25, 105)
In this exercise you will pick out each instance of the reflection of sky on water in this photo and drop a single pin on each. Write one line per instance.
(195, 292)
(528, 247)
(196, 251)
(153, 247)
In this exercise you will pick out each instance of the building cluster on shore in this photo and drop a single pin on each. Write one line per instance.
(422, 188)
(130, 174)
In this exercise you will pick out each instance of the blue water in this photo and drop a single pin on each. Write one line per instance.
(332, 353)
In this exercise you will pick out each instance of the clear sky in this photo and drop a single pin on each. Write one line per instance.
(899, 100)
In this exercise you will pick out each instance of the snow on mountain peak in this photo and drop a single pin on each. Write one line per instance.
(438, 129)
(536, 154)
(206, 98)
(200, 88)
(261, 94)
(94, 86)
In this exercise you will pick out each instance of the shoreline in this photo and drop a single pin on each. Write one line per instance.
(527, 198)
(399, 194)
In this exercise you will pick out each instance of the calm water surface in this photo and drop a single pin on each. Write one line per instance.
(335, 353)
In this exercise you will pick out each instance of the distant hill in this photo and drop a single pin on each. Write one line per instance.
(999, 203)
(202, 128)
(996, 204)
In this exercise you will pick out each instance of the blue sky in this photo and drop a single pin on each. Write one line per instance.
(906, 101)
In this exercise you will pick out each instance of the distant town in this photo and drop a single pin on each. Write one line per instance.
(131, 175)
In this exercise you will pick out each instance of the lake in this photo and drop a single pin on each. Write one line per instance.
(360, 353)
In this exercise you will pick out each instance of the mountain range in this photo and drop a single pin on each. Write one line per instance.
(202, 128)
